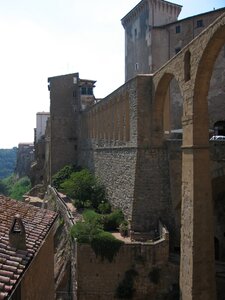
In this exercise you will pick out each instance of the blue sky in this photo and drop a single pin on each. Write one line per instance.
(44, 38)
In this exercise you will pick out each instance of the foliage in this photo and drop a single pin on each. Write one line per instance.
(105, 245)
(7, 162)
(110, 222)
(63, 175)
(85, 189)
(124, 228)
(104, 208)
(125, 288)
(91, 231)
(113, 220)
(3, 188)
(16, 188)
(84, 232)
(154, 275)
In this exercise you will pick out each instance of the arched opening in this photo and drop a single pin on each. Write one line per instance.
(168, 110)
(168, 132)
(187, 66)
(206, 113)
(219, 128)
(217, 248)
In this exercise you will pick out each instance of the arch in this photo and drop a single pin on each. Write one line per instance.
(201, 87)
(219, 127)
(161, 96)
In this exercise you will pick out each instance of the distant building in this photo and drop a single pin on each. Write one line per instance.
(25, 157)
(41, 121)
(26, 251)
(69, 96)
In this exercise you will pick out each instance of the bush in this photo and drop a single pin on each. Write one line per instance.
(83, 186)
(16, 188)
(112, 221)
(105, 245)
(104, 208)
(84, 232)
(63, 175)
(123, 228)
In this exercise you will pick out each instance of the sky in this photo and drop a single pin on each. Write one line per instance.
(45, 38)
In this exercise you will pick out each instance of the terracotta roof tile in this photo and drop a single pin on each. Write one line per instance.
(13, 261)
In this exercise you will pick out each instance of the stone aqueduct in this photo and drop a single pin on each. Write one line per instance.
(121, 139)
(192, 68)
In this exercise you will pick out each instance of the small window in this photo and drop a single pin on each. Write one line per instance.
(178, 29)
(136, 66)
(90, 91)
(135, 32)
(199, 23)
(83, 91)
(177, 50)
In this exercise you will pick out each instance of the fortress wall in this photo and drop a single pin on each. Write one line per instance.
(99, 279)
(114, 129)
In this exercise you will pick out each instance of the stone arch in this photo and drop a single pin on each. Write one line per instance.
(202, 83)
(197, 210)
(160, 98)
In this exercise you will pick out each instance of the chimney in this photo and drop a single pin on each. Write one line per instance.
(17, 234)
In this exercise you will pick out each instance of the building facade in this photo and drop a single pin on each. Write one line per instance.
(27, 253)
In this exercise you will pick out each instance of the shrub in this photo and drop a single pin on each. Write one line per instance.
(123, 228)
(105, 245)
(104, 208)
(16, 188)
(63, 175)
(112, 221)
(84, 232)
(83, 186)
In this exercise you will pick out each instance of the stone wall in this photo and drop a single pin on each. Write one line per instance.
(153, 274)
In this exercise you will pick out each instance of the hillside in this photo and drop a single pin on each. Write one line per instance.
(7, 162)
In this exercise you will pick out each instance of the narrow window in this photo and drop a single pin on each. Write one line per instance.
(199, 23)
(83, 91)
(178, 29)
(136, 66)
(90, 91)
(187, 66)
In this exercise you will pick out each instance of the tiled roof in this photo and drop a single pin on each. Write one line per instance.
(13, 261)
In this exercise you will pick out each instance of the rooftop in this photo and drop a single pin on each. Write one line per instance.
(13, 261)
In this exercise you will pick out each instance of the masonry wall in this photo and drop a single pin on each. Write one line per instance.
(110, 147)
(38, 281)
(104, 278)
(135, 173)
(64, 110)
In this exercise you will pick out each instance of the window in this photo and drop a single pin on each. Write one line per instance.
(136, 66)
(199, 23)
(86, 90)
(178, 29)
(90, 91)
(177, 50)
(83, 91)
(135, 32)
